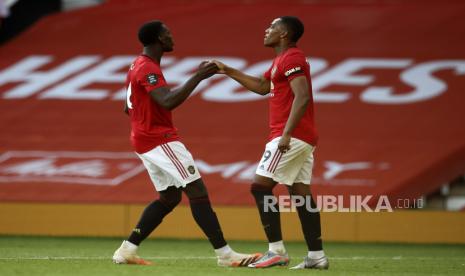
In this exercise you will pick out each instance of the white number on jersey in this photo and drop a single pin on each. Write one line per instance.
(128, 97)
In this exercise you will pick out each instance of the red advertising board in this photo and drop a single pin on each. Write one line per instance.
(388, 82)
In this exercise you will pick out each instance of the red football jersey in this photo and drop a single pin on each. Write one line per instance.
(151, 124)
(286, 66)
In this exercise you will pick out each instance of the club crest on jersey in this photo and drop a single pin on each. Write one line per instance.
(293, 71)
(191, 169)
(152, 79)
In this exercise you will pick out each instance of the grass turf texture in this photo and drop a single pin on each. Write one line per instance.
(92, 256)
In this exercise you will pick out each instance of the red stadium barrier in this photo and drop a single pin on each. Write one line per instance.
(388, 81)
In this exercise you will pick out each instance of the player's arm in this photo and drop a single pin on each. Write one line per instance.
(170, 99)
(259, 85)
(299, 86)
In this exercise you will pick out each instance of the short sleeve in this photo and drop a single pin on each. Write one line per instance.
(294, 66)
(150, 77)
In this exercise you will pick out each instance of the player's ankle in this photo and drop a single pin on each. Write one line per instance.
(277, 247)
(129, 246)
(224, 251)
(316, 254)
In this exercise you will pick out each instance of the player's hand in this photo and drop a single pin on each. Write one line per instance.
(206, 69)
(284, 143)
(221, 66)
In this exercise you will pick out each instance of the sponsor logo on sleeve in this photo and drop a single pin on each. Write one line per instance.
(152, 79)
(293, 71)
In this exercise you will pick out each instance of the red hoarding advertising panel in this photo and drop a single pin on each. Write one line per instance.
(388, 81)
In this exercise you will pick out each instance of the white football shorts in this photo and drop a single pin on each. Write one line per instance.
(293, 166)
(169, 165)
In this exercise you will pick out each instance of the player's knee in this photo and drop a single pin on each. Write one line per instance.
(199, 200)
(299, 189)
(290, 190)
(196, 189)
(259, 189)
(171, 197)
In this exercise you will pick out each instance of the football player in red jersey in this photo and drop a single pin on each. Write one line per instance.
(288, 156)
(170, 165)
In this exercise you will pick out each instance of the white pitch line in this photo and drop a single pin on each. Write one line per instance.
(354, 258)
(101, 258)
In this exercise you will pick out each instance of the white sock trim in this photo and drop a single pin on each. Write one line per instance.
(223, 251)
(129, 245)
(316, 254)
(277, 247)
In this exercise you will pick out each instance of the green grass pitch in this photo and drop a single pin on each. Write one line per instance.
(92, 256)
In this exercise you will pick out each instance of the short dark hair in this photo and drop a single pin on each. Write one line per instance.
(149, 32)
(294, 26)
